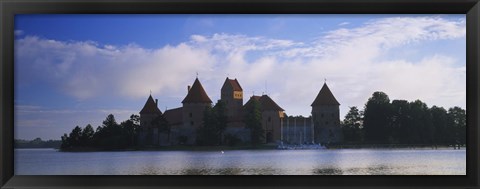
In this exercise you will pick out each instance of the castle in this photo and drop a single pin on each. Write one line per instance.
(323, 126)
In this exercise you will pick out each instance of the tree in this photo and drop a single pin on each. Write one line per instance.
(422, 123)
(214, 125)
(109, 135)
(75, 136)
(377, 118)
(87, 136)
(352, 125)
(207, 132)
(130, 128)
(440, 121)
(253, 121)
(221, 118)
(65, 142)
(457, 116)
(400, 121)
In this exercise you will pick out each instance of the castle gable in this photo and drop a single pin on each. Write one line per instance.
(266, 103)
(233, 84)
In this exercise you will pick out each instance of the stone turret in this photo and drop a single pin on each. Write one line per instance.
(194, 105)
(232, 96)
(326, 117)
(149, 133)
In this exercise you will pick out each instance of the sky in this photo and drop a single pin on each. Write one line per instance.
(76, 69)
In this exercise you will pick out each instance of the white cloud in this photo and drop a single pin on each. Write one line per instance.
(294, 71)
(18, 32)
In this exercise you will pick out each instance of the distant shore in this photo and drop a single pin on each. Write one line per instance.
(176, 148)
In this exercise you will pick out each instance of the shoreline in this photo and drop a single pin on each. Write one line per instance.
(261, 147)
(174, 148)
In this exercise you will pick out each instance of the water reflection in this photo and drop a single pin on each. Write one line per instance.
(272, 162)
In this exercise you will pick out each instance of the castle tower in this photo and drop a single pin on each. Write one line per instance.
(149, 112)
(326, 117)
(232, 96)
(194, 105)
(149, 133)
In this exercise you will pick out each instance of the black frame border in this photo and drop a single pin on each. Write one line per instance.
(8, 9)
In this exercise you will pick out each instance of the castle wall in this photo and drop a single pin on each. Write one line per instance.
(297, 130)
(271, 122)
(192, 119)
(326, 120)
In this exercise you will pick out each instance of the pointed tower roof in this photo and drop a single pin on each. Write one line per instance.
(325, 97)
(150, 107)
(197, 94)
(233, 83)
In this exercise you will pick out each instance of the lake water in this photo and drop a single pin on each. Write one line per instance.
(243, 162)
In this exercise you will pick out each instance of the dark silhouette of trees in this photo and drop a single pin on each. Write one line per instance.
(110, 135)
(214, 124)
(75, 136)
(129, 130)
(206, 133)
(352, 125)
(400, 122)
(442, 125)
(376, 121)
(458, 120)
(422, 123)
(253, 121)
(403, 122)
(87, 136)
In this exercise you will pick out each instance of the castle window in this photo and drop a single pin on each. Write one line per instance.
(191, 122)
(269, 119)
(322, 115)
(190, 114)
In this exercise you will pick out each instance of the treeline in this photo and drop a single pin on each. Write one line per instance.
(37, 143)
(110, 135)
(401, 122)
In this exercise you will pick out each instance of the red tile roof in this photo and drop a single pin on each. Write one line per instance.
(234, 83)
(174, 116)
(266, 103)
(257, 98)
(325, 97)
(150, 107)
(197, 94)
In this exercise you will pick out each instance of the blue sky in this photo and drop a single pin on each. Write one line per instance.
(75, 69)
